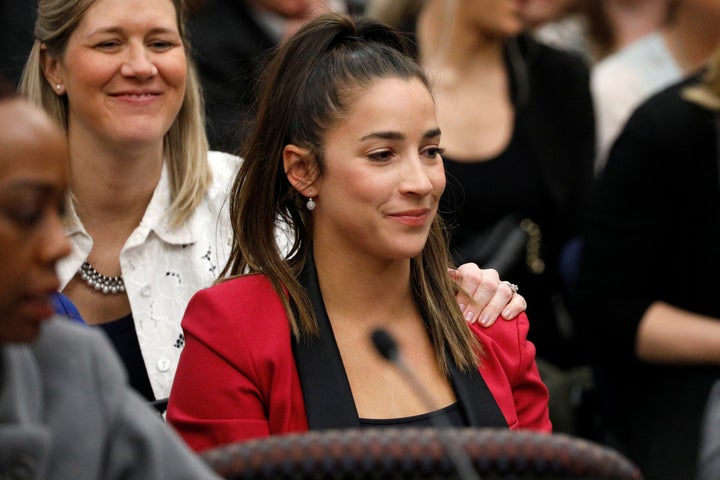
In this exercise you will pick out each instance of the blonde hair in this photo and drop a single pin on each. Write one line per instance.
(185, 145)
(707, 93)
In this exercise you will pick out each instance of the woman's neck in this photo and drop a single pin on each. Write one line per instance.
(452, 48)
(369, 292)
(112, 189)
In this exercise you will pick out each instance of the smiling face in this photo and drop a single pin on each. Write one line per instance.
(124, 72)
(33, 163)
(383, 174)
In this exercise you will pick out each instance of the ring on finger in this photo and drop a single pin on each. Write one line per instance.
(512, 286)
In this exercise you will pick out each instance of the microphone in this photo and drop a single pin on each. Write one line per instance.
(387, 347)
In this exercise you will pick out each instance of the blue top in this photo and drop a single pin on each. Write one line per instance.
(65, 307)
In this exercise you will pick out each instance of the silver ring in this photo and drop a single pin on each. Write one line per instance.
(512, 286)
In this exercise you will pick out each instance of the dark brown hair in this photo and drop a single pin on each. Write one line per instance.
(309, 84)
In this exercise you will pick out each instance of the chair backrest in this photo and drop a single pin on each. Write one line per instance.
(418, 453)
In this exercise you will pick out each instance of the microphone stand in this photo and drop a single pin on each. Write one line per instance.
(387, 347)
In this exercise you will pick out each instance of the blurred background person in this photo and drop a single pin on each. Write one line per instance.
(593, 28)
(66, 408)
(614, 24)
(559, 23)
(679, 47)
(648, 279)
(231, 40)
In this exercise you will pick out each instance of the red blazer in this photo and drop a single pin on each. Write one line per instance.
(237, 378)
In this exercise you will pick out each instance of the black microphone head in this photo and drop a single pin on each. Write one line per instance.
(385, 344)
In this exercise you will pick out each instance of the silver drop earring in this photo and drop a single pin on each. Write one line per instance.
(310, 205)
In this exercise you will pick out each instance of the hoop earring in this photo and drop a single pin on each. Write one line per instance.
(310, 205)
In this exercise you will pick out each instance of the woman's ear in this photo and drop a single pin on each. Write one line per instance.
(300, 169)
(52, 71)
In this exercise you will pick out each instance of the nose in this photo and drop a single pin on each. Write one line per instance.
(416, 177)
(138, 62)
(54, 243)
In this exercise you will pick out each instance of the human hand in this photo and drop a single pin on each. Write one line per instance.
(484, 297)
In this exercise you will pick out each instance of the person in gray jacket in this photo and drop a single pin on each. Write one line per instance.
(709, 458)
(66, 409)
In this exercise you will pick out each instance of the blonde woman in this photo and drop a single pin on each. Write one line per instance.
(144, 219)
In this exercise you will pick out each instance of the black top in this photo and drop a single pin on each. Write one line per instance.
(450, 416)
(653, 234)
(122, 335)
(479, 193)
(17, 21)
(230, 49)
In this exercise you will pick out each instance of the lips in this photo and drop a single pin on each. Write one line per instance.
(138, 98)
(136, 93)
(412, 218)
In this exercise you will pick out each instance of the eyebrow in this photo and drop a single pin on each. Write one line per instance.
(391, 135)
(119, 30)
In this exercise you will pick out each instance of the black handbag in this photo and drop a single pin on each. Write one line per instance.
(513, 242)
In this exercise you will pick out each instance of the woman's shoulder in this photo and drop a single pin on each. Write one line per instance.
(246, 296)
(235, 310)
(223, 166)
(506, 336)
(245, 291)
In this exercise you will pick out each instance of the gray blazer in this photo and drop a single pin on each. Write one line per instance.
(67, 412)
(709, 462)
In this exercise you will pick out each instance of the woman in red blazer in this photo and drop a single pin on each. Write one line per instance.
(346, 151)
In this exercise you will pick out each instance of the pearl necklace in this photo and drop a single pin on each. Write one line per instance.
(98, 281)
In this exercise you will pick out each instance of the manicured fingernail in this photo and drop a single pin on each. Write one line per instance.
(469, 316)
(506, 314)
(485, 319)
(462, 308)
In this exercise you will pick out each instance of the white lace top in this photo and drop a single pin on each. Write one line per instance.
(163, 267)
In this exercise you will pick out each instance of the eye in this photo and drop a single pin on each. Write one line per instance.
(381, 155)
(162, 45)
(433, 152)
(26, 216)
(108, 45)
(27, 210)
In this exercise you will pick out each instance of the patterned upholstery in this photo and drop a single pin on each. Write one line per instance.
(418, 453)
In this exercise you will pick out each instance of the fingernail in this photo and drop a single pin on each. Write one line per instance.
(506, 314)
(462, 308)
(469, 316)
(485, 319)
